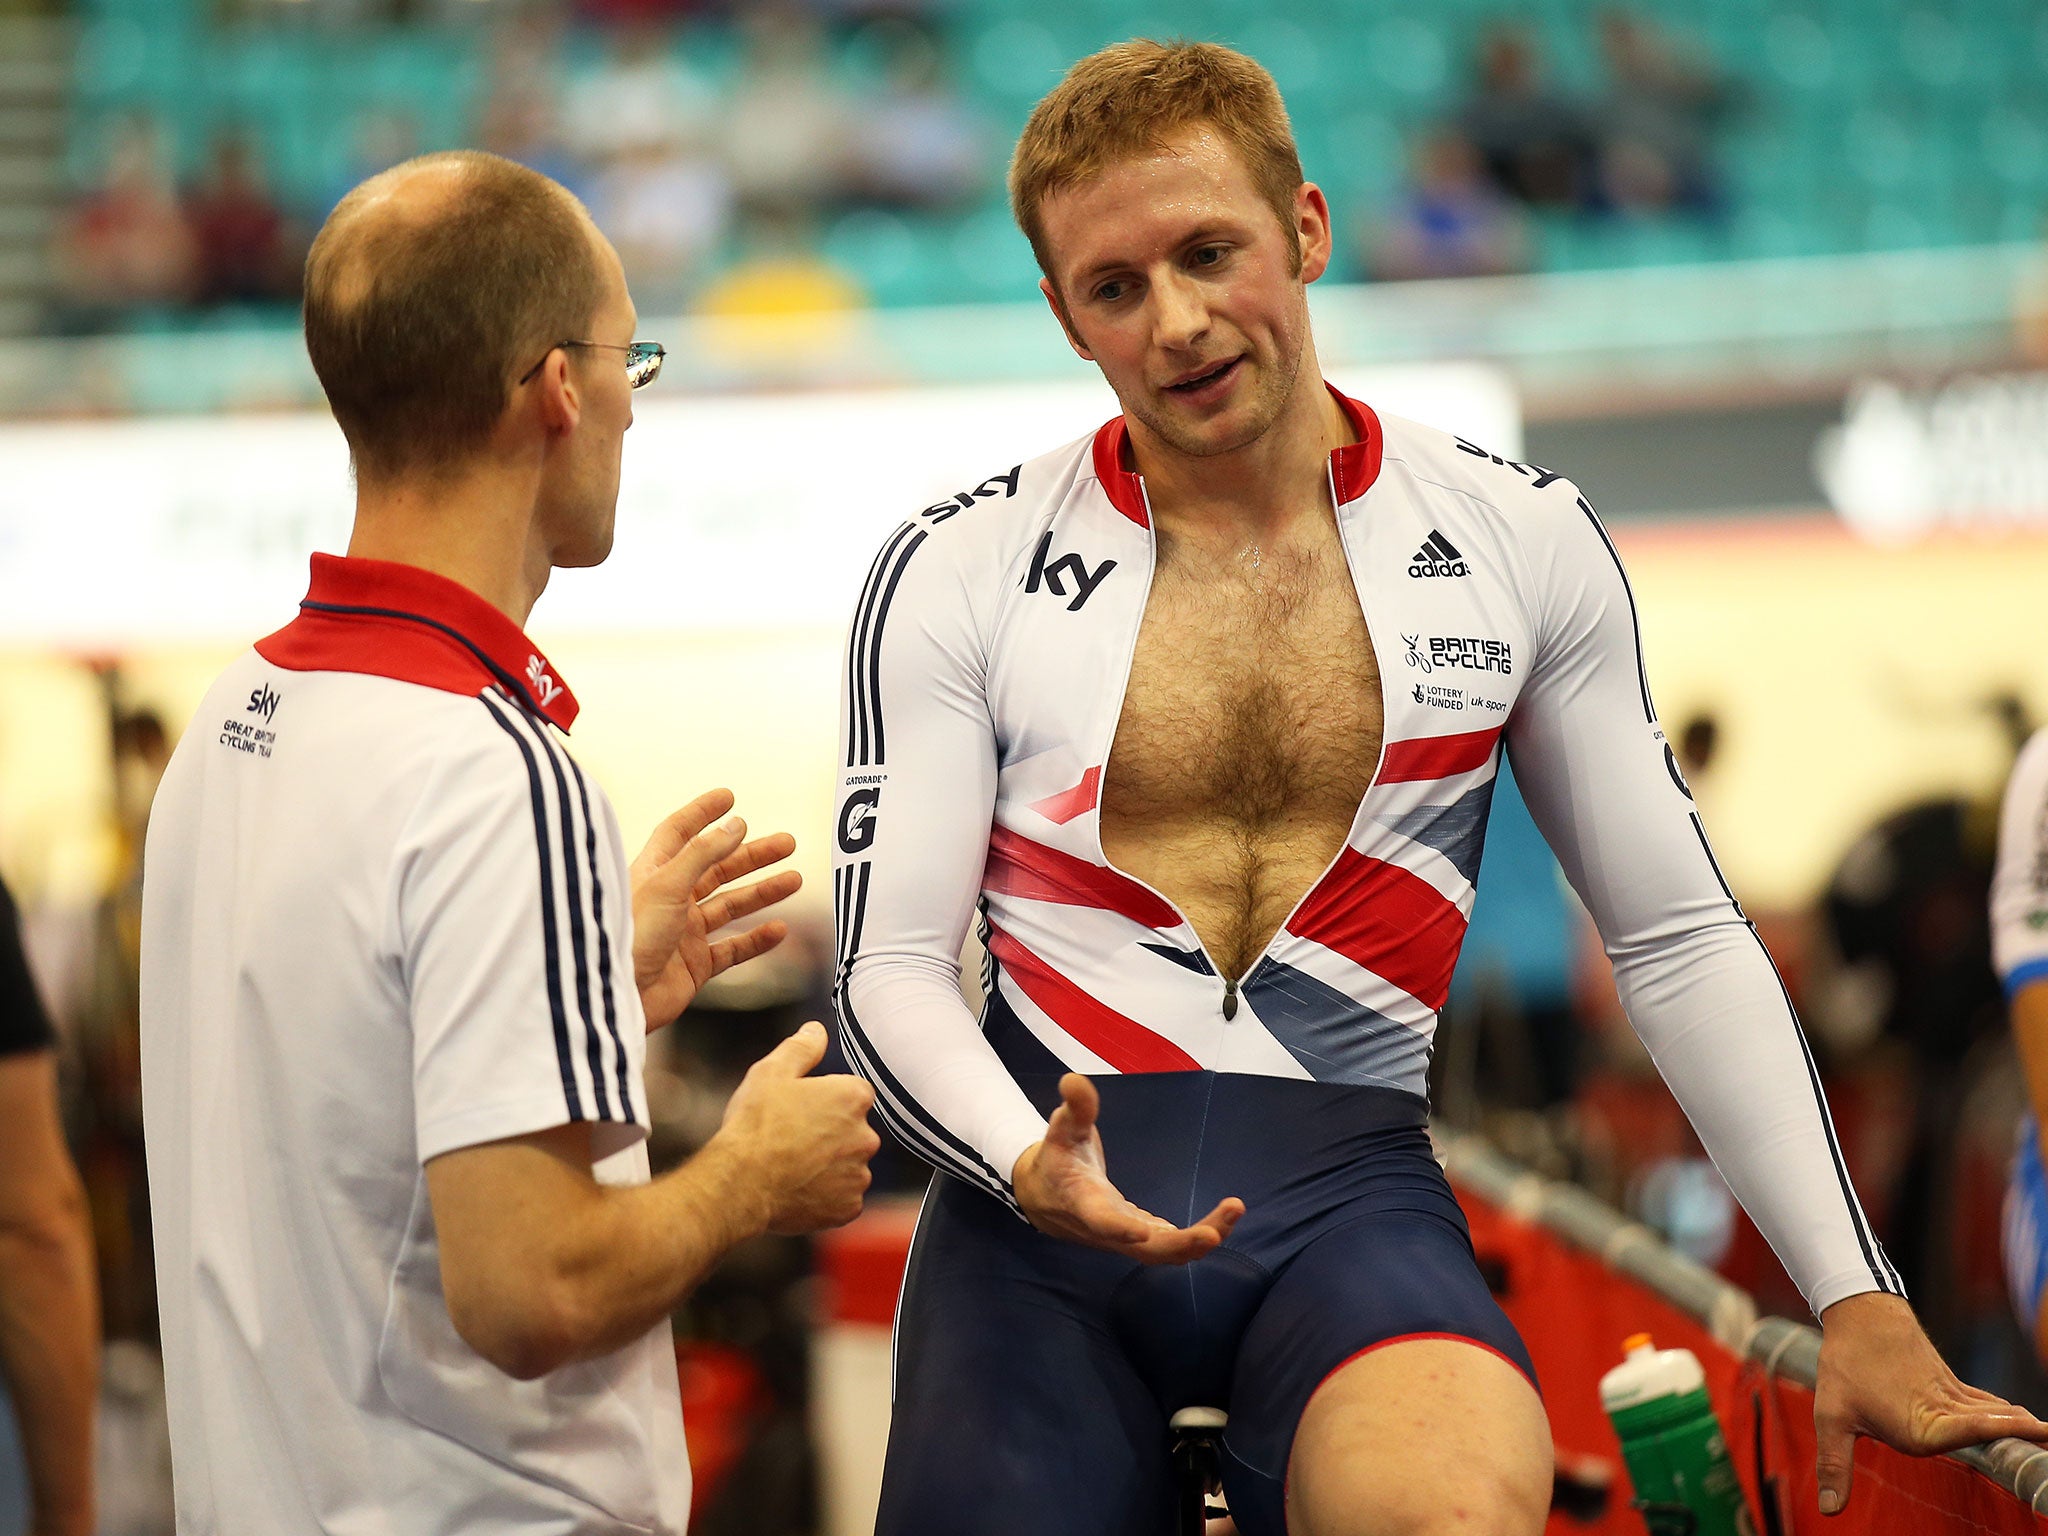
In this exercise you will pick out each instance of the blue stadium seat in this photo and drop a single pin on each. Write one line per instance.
(887, 256)
(1871, 122)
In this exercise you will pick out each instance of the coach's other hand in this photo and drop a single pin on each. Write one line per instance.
(806, 1139)
(1063, 1185)
(677, 905)
(1880, 1376)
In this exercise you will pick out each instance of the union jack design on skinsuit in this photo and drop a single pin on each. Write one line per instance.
(986, 703)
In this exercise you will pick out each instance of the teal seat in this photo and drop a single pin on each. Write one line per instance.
(1412, 59)
(1764, 234)
(1360, 153)
(883, 254)
(1013, 62)
(1291, 53)
(992, 261)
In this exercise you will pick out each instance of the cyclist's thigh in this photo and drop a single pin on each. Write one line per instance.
(1421, 1434)
(1016, 1414)
(1368, 1282)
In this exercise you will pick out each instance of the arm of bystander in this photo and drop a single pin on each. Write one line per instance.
(49, 1297)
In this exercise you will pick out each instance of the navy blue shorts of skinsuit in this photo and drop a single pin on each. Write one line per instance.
(1035, 1378)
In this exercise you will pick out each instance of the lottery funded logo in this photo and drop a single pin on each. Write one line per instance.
(1443, 696)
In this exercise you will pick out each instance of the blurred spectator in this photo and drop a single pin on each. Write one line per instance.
(1697, 745)
(1450, 221)
(640, 124)
(919, 144)
(1656, 122)
(665, 206)
(786, 130)
(1513, 984)
(379, 138)
(780, 274)
(49, 1342)
(520, 122)
(642, 93)
(1535, 143)
(126, 243)
(247, 253)
(2030, 316)
(107, 1025)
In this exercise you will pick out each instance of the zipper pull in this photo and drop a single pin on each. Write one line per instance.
(1229, 997)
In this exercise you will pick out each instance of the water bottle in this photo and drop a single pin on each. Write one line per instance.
(1672, 1443)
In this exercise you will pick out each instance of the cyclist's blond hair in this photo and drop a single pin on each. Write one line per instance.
(1129, 99)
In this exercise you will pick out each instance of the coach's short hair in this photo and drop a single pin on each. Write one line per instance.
(419, 320)
(1129, 99)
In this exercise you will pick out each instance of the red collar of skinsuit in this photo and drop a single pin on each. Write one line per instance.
(1353, 468)
(398, 621)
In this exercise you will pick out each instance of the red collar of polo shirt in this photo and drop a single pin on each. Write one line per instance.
(398, 621)
(1353, 467)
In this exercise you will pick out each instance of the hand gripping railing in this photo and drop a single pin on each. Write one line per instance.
(1786, 1349)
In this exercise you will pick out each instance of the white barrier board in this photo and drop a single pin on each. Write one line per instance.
(755, 511)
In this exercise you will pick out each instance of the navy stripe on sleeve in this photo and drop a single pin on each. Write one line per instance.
(864, 646)
(875, 643)
(856, 641)
(604, 946)
(1642, 672)
(579, 938)
(898, 1108)
(550, 940)
(1881, 1269)
(1873, 1252)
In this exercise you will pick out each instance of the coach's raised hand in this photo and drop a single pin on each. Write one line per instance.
(1063, 1185)
(806, 1140)
(678, 904)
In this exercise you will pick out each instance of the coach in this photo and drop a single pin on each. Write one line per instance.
(397, 974)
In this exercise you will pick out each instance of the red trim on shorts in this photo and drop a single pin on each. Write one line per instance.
(1407, 1338)
(1287, 1472)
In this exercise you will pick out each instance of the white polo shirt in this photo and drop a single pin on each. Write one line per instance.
(385, 916)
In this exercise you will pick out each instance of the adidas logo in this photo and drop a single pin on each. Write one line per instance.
(1438, 557)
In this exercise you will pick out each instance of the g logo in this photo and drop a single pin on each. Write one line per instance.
(857, 820)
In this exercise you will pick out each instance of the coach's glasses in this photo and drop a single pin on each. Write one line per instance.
(643, 359)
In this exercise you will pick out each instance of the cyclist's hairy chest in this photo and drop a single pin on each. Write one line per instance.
(1253, 700)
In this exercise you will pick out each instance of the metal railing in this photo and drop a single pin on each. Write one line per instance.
(1786, 1349)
